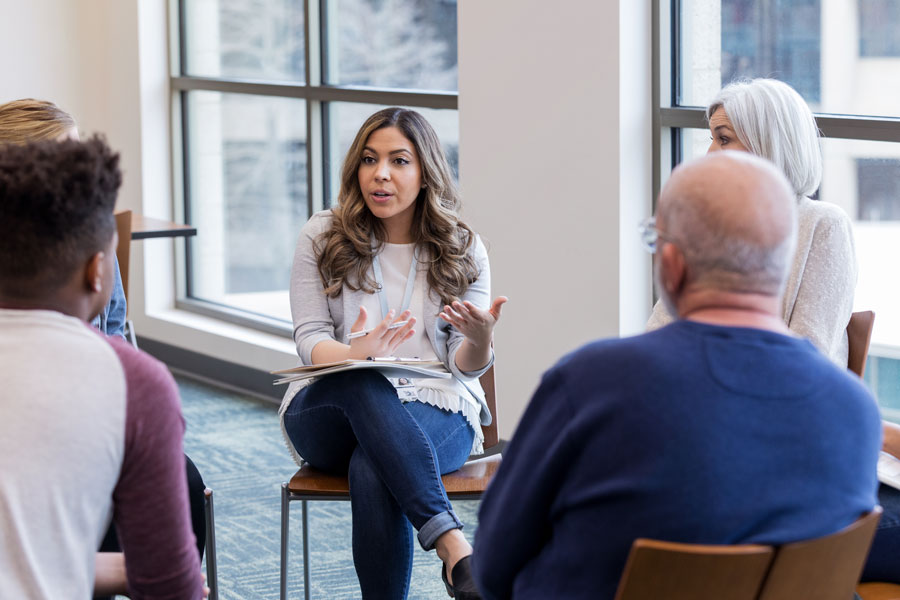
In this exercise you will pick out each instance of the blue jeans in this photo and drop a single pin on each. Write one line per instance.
(394, 455)
(883, 563)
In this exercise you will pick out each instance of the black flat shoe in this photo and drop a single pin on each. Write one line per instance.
(463, 587)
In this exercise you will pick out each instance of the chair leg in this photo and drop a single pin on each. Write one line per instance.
(129, 332)
(305, 550)
(212, 576)
(285, 518)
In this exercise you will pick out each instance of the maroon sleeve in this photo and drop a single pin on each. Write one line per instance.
(150, 500)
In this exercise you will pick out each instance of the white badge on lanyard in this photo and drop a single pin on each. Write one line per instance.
(406, 389)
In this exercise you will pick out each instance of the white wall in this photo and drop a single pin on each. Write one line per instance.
(83, 56)
(555, 135)
(555, 173)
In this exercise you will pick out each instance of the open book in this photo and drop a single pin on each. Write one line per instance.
(412, 368)
(889, 470)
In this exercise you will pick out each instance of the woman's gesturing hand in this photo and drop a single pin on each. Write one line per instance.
(382, 340)
(475, 323)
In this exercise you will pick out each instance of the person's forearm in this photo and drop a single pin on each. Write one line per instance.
(109, 574)
(891, 440)
(472, 356)
(328, 351)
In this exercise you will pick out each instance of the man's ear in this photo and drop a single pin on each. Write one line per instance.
(673, 269)
(94, 272)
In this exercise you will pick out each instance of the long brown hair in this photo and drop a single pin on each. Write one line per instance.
(344, 253)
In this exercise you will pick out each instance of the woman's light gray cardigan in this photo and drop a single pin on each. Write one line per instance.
(317, 317)
(818, 297)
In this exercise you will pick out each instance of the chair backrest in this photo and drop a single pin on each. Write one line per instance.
(826, 568)
(859, 335)
(123, 250)
(491, 433)
(693, 572)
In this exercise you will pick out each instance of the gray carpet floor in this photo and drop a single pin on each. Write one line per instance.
(236, 443)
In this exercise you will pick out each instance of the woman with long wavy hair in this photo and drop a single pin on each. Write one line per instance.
(393, 263)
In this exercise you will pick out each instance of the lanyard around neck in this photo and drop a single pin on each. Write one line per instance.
(410, 285)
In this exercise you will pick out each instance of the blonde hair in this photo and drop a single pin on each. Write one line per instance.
(344, 253)
(29, 120)
(773, 121)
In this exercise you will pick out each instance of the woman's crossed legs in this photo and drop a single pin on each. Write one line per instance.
(394, 455)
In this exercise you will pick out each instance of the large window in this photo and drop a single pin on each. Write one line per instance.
(270, 94)
(844, 58)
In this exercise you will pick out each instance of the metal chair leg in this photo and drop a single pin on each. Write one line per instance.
(129, 332)
(305, 549)
(285, 514)
(212, 576)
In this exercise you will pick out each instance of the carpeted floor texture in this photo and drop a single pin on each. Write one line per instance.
(236, 442)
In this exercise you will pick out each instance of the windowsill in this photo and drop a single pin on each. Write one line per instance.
(885, 350)
(218, 339)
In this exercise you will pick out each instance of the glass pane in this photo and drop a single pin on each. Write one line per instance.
(248, 197)
(346, 118)
(409, 44)
(841, 56)
(863, 178)
(245, 39)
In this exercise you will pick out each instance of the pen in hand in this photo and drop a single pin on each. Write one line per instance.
(366, 332)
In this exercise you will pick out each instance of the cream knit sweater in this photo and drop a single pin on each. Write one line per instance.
(818, 297)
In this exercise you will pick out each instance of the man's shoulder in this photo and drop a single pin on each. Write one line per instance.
(145, 376)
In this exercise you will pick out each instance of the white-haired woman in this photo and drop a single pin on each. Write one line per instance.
(768, 118)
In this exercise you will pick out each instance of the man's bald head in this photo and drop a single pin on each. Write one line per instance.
(734, 218)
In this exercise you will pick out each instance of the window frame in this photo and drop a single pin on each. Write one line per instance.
(316, 95)
(669, 118)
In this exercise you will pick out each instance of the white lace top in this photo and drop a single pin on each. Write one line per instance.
(447, 394)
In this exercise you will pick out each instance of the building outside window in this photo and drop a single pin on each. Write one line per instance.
(843, 57)
(270, 94)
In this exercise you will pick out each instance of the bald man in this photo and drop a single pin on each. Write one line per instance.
(721, 428)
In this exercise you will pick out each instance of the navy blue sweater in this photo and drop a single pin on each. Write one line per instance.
(692, 433)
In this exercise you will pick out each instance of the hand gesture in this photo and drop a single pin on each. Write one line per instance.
(475, 323)
(382, 340)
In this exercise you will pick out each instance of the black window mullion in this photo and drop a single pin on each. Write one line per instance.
(186, 183)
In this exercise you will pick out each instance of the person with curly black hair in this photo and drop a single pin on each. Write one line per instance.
(29, 120)
(92, 427)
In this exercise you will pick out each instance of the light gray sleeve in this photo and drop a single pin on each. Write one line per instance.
(824, 301)
(479, 294)
(309, 305)
(660, 317)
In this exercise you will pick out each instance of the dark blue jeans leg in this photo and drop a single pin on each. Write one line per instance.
(395, 454)
(883, 563)
(382, 535)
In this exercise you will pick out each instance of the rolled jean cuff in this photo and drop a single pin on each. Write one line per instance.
(436, 526)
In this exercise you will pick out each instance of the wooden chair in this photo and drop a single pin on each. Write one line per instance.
(308, 484)
(878, 591)
(123, 255)
(825, 568)
(859, 335)
(693, 572)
